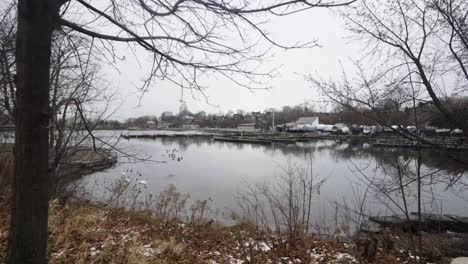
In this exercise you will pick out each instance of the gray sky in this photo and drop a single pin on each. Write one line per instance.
(289, 88)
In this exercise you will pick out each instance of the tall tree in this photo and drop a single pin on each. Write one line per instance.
(28, 231)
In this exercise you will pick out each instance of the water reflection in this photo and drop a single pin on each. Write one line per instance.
(219, 170)
(341, 150)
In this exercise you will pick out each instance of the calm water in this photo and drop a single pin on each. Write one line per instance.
(218, 171)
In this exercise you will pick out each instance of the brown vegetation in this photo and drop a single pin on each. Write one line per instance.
(83, 233)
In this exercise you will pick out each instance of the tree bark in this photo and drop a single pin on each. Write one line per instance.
(28, 230)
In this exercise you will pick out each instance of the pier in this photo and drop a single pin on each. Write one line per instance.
(450, 143)
(431, 223)
(454, 143)
(154, 136)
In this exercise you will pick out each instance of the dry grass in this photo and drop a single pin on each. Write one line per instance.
(83, 233)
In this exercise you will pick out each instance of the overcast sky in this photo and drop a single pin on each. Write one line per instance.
(289, 88)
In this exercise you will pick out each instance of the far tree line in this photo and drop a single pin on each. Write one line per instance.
(395, 114)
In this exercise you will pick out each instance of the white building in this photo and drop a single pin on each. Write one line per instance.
(151, 124)
(311, 121)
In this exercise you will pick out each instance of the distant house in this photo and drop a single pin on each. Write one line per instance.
(151, 124)
(165, 125)
(313, 121)
(188, 119)
(188, 122)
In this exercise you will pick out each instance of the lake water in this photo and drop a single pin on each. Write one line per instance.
(219, 171)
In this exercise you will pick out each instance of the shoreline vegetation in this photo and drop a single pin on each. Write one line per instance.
(81, 232)
(168, 228)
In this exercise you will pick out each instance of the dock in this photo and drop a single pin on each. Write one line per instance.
(453, 143)
(449, 143)
(154, 136)
(249, 140)
(432, 223)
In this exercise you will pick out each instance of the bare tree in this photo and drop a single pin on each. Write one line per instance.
(73, 90)
(415, 58)
(7, 30)
(283, 207)
(7, 59)
(74, 100)
(185, 39)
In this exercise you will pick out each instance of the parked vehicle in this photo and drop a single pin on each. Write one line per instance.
(375, 130)
(428, 131)
(356, 130)
(290, 127)
(309, 128)
(412, 129)
(345, 130)
(326, 128)
(457, 132)
(366, 130)
(443, 132)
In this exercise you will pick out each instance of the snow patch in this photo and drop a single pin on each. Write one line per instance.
(342, 256)
(59, 254)
(94, 252)
(262, 246)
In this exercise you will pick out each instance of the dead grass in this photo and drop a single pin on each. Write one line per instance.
(83, 233)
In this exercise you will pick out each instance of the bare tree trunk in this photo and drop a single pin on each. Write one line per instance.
(28, 230)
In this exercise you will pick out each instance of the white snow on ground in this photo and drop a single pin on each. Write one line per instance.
(318, 258)
(233, 260)
(147, 251)
(94, 252)
(230, 259)
(262, 246)
(59, 254)
(340, 256)
(316, 255)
